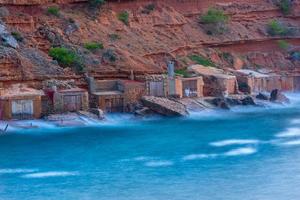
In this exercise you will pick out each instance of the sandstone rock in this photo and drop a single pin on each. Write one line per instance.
(220, 103)
(7, 38)
(277, 96)
(164, 106)
(262, 96)
(4, 12)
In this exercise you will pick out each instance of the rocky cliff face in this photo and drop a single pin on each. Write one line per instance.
(150, 33)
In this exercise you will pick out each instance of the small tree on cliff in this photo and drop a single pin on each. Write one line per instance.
(285, 6)
(96, 3)
(214, 21)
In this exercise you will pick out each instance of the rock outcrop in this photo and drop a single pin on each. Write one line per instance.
(278, 97)
(164, 106)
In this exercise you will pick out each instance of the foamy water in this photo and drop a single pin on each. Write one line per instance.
(233, 142)
(290, 132)
(241, 151)
(50, 174)
(250, 153)
(17, 171)
(159, 163)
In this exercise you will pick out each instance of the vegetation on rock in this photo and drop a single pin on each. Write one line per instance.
(275, 28)
(124, 17)
(114, 37)
(215, 21)
(66, 58)
(109, 55)
(93, 46)
(285, 6)
(283, 44)
(202, 60)
(182, 72)
(148, 8)
(53, 11)
(96, 3)
(17, 36)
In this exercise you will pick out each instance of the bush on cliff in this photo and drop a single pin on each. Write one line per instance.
(93, 46)
(215, 21)
(124, 17)
(285, 6)
(17, 36)
(148, 8)
(66, 58)
(96, 3)
(53, 11)
(202, 60)
(109, 56)
(275, 28)
(282, 44)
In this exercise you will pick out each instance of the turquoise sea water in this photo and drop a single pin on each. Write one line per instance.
(248, 153)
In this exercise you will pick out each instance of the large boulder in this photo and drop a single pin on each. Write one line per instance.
(164, 106)
(248, 101)
(220, 103)
(277, 96)
(262, 96)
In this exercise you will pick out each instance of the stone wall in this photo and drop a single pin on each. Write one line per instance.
(216, 86)
(133, 92)
(59, 104)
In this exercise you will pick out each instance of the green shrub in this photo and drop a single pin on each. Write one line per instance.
(214, 16)
(275, 28)
(283, 44)
(96, 3)
(114, 37)
(53, 11)
(285, 6)
(93, 46)
(66, 58)
(148, 8)
(214, 21)
(227, 57)
(202, 60)
(124, 17)
(17, 36)
(182, 72)
(110, 55)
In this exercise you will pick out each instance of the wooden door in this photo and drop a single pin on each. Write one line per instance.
(22, 109)
(72, 103)
(156, 88)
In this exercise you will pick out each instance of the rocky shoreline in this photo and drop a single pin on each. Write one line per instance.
(168, 107)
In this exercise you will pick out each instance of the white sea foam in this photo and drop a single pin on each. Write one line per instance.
(17, 171)
(159, 163)
(142, 158)
(233, 142)
(241, 151)
(290, 132)
(290, 143)
(295, 121)
(198, 156)
(50, 174)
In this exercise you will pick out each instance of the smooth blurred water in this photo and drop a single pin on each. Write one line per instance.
(247, 153)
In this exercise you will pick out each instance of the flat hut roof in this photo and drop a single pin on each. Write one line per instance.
(17, 91)
(252, 73)
(210, 71)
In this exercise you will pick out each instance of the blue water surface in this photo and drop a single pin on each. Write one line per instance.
(248, 153)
